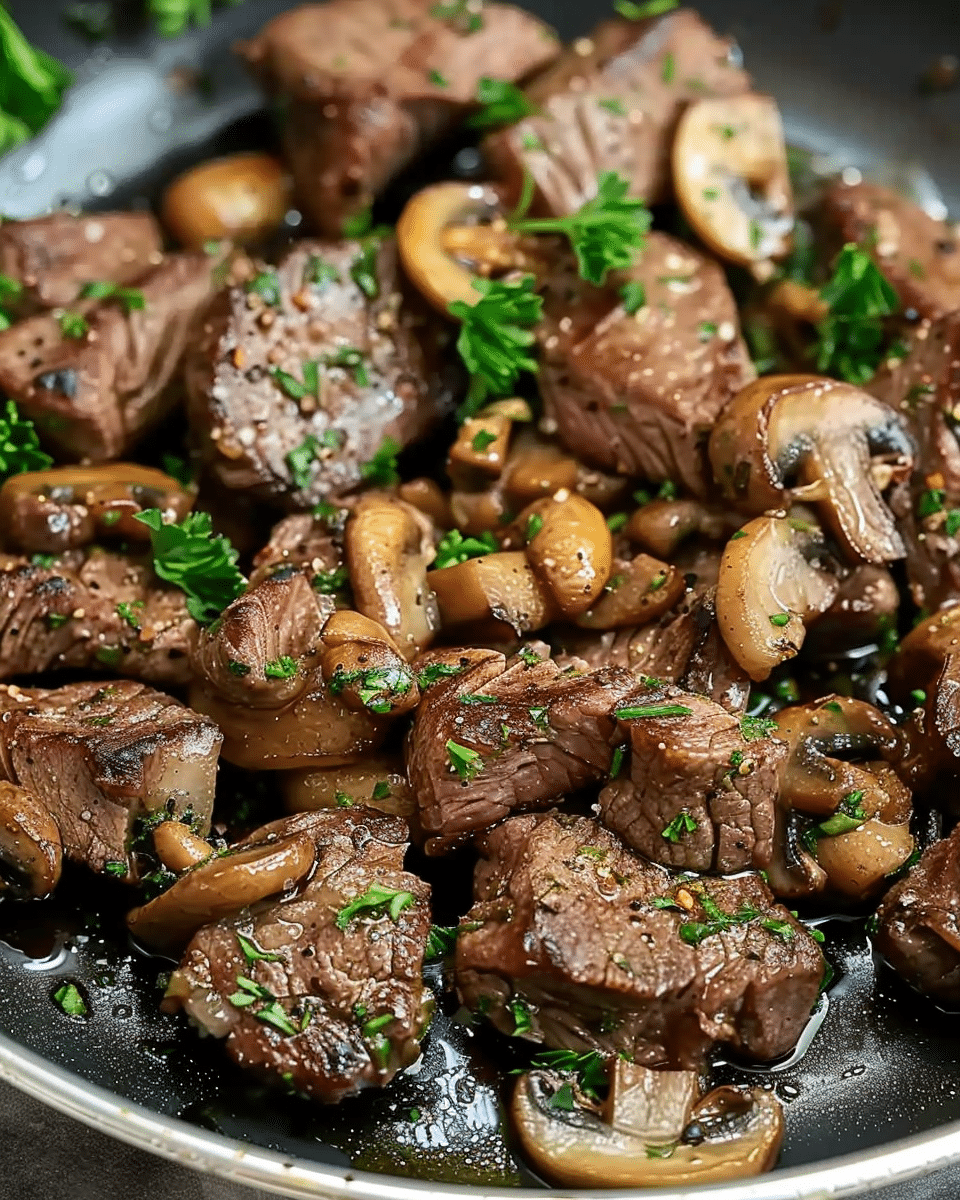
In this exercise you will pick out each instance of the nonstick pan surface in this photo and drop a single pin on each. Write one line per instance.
(876, 1094)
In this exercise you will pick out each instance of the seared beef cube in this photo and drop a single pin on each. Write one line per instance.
(304, 543)
(699, 785)
(337, 1002)
(369, 85)
(94, 396)
(919, 255)
(638, 394)
(575, 942)
(303, 374)
(917, 923)
(52, 258)
(495, 738)
(611, 103)
(925, 389)
(100, 756)
(93, 610)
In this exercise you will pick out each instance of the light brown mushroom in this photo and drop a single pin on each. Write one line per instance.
(63, 508)
(377, 781)
(638, 591)
(178, 848)
(362, 664)
(811, 440)
(389, 545)
(738, 1133)
(732, 181)
(775, 576)
(501, 588)
(484, 440)
(220, 887)
(570, 547)
(31, 851)
(660, 526)
(428, 497)
(241, 198)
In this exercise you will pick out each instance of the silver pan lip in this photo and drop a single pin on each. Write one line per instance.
(253, 1166)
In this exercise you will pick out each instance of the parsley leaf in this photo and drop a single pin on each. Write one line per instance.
(301, 458)
(284, 667)
(381, 470)
(454, 548)
(130, 299)
(69, 1001)
(266, 285)
(652, 710)
(642, 12)
(589, 1067)
(172, 17)
(19, 445)
(850, 340)
(440, 942)
(496, 336)
(682, 823)
(31, 85)
(376, 901)
(606, 233)
(73, 325)
(465, 761)
(752, 729)
(503, 104)
(202, 565)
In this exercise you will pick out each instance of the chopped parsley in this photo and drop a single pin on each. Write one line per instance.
(434, 672)
(376, 686)
(502, 103)
(465, 761)
(130, 299)
(328, 583)
(437, 79)
(616, 762)
(73, 325)
(652, 710)
(281, 668)
(495, 339)
(481, 440)
(667, 68)
(613, 106)
(633, 297)
(589, 1067)
(292, 387)
(454, 548)
(253, 953)
(266, 285)
(319, 272)
(643, 12)
(382, 470)
(376, 902)
(465, 15)
(616, 521)
(68, 999)
(31, 85)
(606, 233)
(192, 558)
(126, 613)
(440, 942)
(19, 445)
(780, 619)
(301, 458)
(238, 668)
(850, 339)
(520, 1011)
(849, 816)
(752, 729)
(534, 526)
(682, 823)
(351, 358)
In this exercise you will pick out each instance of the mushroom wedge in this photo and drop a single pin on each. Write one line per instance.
(732, 181)
(816, 441)
(775, 576)
(739, 1133)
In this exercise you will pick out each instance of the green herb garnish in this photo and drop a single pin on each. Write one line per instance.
(19, 445)
(503, 104)
(651, 710)
(376, 902)
(682, 823)
(850, 340)
(465, 761)
(192, 558)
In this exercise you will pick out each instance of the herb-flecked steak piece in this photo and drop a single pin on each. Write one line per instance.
(338, 1001)
(575, 942)
(302, 374)
(100, 756)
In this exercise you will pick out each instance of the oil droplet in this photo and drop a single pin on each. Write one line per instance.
(100, 183)
(122, 1011)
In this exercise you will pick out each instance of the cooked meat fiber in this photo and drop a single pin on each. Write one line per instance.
(93, 610)
(308, 544)
(694, 792)
(347, 976)
(917, 923)
(639, 394)
(925, 389)
(93, 397)
(250, 419)
(575, 942)
(919, 256)
(611, 103)
(101, 755)
(53, 257)
(498, 738)
(372, 84)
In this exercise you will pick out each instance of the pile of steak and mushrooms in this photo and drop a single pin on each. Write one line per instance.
(589, 516)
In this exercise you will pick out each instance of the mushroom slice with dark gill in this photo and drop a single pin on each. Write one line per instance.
(731, 1133)
(31, 852)
(732, 181)
(776, 575)
(813, 440)
(321, 990)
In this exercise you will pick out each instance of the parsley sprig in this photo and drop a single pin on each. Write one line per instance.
(190, 557)
(607, 233)
(19, 446)
(32, 85)
(377, 901)
(454, 548)
(503, 104)
(850, 340)
(496, 336)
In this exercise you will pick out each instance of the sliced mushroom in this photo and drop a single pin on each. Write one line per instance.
(501, 588)
(241, 198)
(840, 445)
(31, 852)
(220, 887)
(662, 525)
(63, 508)
(389, 545)
(483, 441)
(638, 591)
(732, 181)
(377, 781)
(732, 1133)
(570, 547)
(179, 849)
(361, 664)
(775, 576)
(857, 863)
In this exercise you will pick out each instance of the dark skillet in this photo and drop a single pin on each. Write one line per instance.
(884, 1064)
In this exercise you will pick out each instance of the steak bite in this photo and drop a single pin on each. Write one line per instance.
(699, 789)
(917, 930)
(491, 738)
(305, 543)
(95, 395)
(93, 610)
(100, 756)
(639, 393)
(611, 102)
(919, 255)
(51, 258)
(303, 374)
(577, 943)
(924, 388)
(325, 992)
(369, 85)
